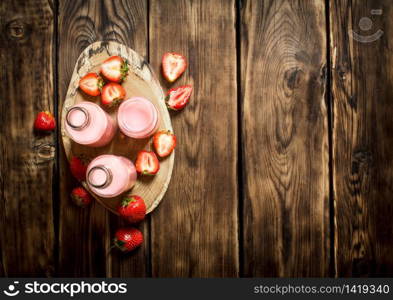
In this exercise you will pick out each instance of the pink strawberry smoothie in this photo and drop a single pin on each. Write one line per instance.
(88, 124)
(138, 118)
(110, 175)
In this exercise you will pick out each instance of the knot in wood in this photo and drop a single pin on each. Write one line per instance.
(342, 71)
(293, 78)
(16, 29)
(44, 152)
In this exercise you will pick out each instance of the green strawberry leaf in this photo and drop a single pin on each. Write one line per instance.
(127, 201)
(124, 69)
(119, 243)
(100, 84)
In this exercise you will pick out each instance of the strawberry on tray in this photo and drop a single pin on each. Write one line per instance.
(112, 94)
(132, 208)
(114, 69)
(147, 163)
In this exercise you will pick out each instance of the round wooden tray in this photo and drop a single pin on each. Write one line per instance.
(140, 81)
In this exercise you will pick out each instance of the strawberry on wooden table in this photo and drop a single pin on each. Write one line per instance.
(128, 239)
(147, 163)
(112, 94)
(44, 121)
(164, 142)
(91, 84)
(132, 208)
(78, 168)
(173, 65)
(177, 98)
(81, 197)
(114, 69)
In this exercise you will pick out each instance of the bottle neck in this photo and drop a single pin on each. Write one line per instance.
(99, 177)
(77, 117)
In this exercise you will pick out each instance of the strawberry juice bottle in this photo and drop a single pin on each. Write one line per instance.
(110, 175)
(88, 124)
(138, 118)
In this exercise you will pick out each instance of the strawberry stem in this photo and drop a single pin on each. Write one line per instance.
(110, 249)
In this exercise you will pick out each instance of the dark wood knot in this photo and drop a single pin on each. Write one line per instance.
(342, 72)
(17, 29)
(362, 156)
(293, 78)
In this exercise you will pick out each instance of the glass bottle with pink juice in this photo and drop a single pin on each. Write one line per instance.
(138, 118)
(110, 175)
(88, 124)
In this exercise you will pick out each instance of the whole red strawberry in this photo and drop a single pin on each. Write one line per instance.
(132, 208)
(78, 168)
(81, 197)
(128, 239)
(44, 121)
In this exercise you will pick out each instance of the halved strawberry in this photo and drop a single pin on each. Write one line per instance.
(114, 68)
(147, 163)
(173, 65)
(164, 142)
(112, 94)
(177, 98)
(91, 84)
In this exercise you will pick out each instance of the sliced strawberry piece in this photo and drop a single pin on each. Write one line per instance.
(112, 94)
(177, 98)
(164, 143)
(173, 65)
(114, 69)
(91, 84)
(147, 163)
(44, 121)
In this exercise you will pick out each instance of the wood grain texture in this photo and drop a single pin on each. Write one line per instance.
(86, 235)
(284, 205)
(362, 94)
(285, 138)
(26, 159)
(194, 230)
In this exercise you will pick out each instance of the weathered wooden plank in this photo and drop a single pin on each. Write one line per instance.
(194, 230)
(285, 138)
(362, 136)
(26, 159)
(86, 235)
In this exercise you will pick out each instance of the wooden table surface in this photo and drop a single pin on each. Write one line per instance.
(285, 152)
